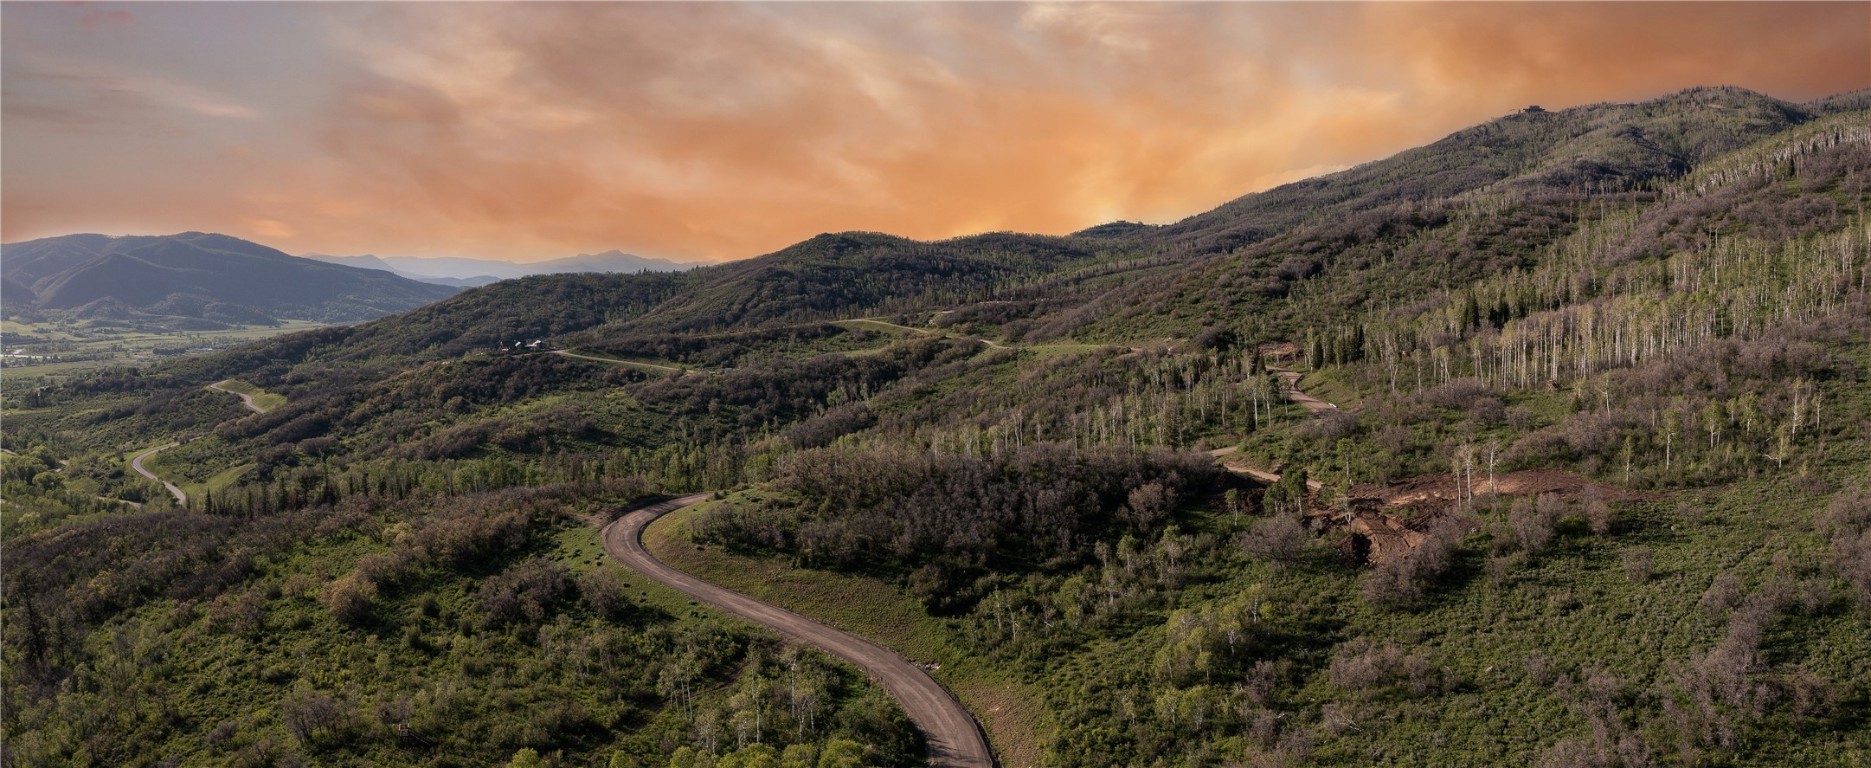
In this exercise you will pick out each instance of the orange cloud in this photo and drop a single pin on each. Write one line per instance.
(723, 131)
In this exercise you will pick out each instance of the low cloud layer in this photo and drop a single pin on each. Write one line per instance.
(716, 131)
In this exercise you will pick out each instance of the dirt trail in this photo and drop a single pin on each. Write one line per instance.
(245, 399)
(1241, 467)
(927, 331)
(613, 361)
(955, 739)
(1267, 474)
(1308, 402)
(137, 464)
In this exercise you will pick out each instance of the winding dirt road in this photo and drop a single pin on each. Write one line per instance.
(1241, 467)
(137, 464)
(245, 399)
(1308, 402)
(615, 361)
(926, 331)
(1266, 474)
(955, 740)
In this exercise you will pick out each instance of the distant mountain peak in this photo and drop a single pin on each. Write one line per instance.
(455, 270)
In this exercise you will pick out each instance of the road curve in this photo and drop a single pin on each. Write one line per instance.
(954, 739)
(245, 399)
(137, 464)
(1303, 400)
(1241, 467)
(1308, 402)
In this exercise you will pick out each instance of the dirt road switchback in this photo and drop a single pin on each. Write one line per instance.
(137, 464)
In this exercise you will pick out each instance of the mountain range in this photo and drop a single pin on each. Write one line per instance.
(1345, 234)
(1543, 444)
(195, 281)
(466, 272)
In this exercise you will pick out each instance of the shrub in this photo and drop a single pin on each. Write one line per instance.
(1148, 504)
(1847, 520)
(523, 592)
(311, 716)
(1533, 523)
(604, 594)
(1401, 581)
(1363, 664)
(350, 598)
(1597, 513)
(1637, 565)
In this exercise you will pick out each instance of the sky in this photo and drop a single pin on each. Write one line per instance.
(716, 131)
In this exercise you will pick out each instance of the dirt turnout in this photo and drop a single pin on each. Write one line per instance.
(955, 740)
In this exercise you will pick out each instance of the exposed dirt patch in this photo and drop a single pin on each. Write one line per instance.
(1377, 538)
(1439, 490)
(1389, 522)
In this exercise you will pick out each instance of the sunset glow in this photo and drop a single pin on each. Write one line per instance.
(722, 131)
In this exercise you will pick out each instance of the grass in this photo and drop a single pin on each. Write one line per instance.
(1060, 349)
(76, 347)
(1010, 711)
(1329, 385)
(219, 482)
(581, 548)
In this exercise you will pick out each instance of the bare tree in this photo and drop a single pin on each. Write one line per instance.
(1279, 538)
(1494, 458)
(1671, 426)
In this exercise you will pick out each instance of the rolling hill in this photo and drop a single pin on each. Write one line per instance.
(197, 280)
(1542, 444)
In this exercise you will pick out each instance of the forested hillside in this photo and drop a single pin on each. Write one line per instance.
(1543, 444)
(195, 281)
